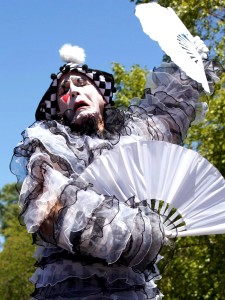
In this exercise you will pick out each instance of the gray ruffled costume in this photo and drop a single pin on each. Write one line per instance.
(100, 248)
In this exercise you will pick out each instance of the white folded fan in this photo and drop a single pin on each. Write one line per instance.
(164, 26)
(186, 190)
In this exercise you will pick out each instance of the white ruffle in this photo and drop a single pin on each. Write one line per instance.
(39, 209)
(116, 232)
(57, 272)
(78, 215)
(201, 110)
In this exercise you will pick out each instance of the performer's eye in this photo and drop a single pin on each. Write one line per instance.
(64, 87)
(65, 84)
(79, 81)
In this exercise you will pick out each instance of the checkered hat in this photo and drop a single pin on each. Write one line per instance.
(48, 106)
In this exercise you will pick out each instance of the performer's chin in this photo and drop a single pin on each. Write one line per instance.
(80, 123)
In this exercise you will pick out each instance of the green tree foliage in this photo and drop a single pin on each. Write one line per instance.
(16, 263)
(196, 271)
(129, 84)
(210, 134)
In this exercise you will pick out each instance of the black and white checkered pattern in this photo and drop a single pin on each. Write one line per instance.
(48, 106)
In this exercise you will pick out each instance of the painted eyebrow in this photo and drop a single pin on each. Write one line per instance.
(63, 82)
(73, 78)
(77, 77)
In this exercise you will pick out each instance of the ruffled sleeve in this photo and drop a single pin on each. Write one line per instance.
(87, 223)
(171, 103)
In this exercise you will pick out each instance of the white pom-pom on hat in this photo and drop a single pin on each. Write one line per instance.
(73, 54)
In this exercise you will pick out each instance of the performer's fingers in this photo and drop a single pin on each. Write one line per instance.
(204, 55)
(201, 47)
(196, 38)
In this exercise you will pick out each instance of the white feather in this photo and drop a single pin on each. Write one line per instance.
(178, 179)
(163, 25)
(73, 54)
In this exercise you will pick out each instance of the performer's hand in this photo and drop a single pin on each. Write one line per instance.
(201, 47)
(47, 227)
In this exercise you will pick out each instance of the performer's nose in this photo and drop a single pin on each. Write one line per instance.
(74, 90)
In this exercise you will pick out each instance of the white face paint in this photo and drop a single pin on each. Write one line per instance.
(76, 92)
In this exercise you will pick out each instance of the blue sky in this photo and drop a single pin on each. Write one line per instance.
(31, 34)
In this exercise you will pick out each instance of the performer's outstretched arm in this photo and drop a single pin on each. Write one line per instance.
(171, 101)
